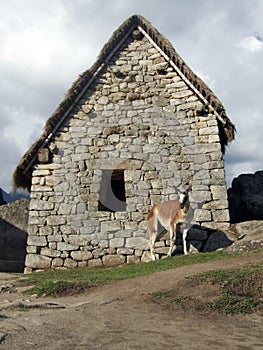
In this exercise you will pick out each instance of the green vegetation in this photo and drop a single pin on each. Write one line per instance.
(233, 291)
(59, 282)
(241, 289)
(180, 300)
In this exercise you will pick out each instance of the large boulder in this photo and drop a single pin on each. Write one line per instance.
(245, 198)
(250, 237)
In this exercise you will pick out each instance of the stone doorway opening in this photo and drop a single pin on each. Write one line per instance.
(112, 196)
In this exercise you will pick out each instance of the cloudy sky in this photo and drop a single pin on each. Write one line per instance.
(46, 44)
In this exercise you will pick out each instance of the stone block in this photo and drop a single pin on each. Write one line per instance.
(202, 215)
(39, 241)
(30, 249)
(45, 231)
(56, 220)
(50, 252)
(216, 204)
(35, 261)
(132, 259)
(117, 242)
(113, 260)
(41, 172)
(211, 130)
(81, 255)
(137, 243)
(132, 175)
(220, 215)
(70, 263)
(146, 256)
(36, 220)
(107, 226)
(162, 250)
(64, 209)
(125, 251)
(57, 262)
(62, 246)
(95, 263)
(97, 253)
(36, 204)
(218, 192)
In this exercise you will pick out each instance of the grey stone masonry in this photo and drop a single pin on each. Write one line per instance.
(133, 139)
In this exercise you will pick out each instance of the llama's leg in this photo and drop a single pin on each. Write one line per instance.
(153, 236)
(184, 240)
(172, 239)
(152, 227)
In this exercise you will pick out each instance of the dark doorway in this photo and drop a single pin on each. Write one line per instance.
(112, 191)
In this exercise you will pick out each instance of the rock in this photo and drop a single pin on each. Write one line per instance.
(113, 260)
(245, 197)
(216, 241)
(252, 229)
(251, 237)
(81, 255)
(38, 261)
(243, 246)
(137, 243)
(133, 259)
(95, 263)
(146, 256)
(162, 250)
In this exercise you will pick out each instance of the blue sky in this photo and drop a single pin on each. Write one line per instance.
(46, 44)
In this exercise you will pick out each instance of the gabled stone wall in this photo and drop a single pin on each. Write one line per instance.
(138, 118)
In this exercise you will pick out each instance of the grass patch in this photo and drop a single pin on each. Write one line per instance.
(234, 304)
(180, 300)
(232, 291)
(241, 289)
(159, 294)
(60, 282)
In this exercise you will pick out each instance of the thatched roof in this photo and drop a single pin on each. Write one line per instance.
(23, 173)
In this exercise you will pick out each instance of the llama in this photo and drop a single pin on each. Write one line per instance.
(169, 214)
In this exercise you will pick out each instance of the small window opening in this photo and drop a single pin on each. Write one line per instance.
(112, 191)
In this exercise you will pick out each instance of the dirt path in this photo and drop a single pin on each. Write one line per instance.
(121, 315)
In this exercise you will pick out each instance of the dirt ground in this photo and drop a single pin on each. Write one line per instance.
(122, 315)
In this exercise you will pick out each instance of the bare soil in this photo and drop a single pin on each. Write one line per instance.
(123, 315)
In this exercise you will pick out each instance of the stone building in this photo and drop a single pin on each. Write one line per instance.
(133, 130)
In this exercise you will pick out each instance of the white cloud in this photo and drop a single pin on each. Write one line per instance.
(251, 43)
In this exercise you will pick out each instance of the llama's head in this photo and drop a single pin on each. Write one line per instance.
(183, 198)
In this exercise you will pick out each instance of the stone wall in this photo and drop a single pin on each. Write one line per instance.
(138, 120)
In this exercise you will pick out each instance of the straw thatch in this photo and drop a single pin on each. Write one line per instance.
(23, 172)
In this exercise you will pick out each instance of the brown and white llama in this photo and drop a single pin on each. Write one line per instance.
(169, 214)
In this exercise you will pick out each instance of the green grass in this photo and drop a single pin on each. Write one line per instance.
(59, 282)
(235, 291)
(241, 289)
(234, 304)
